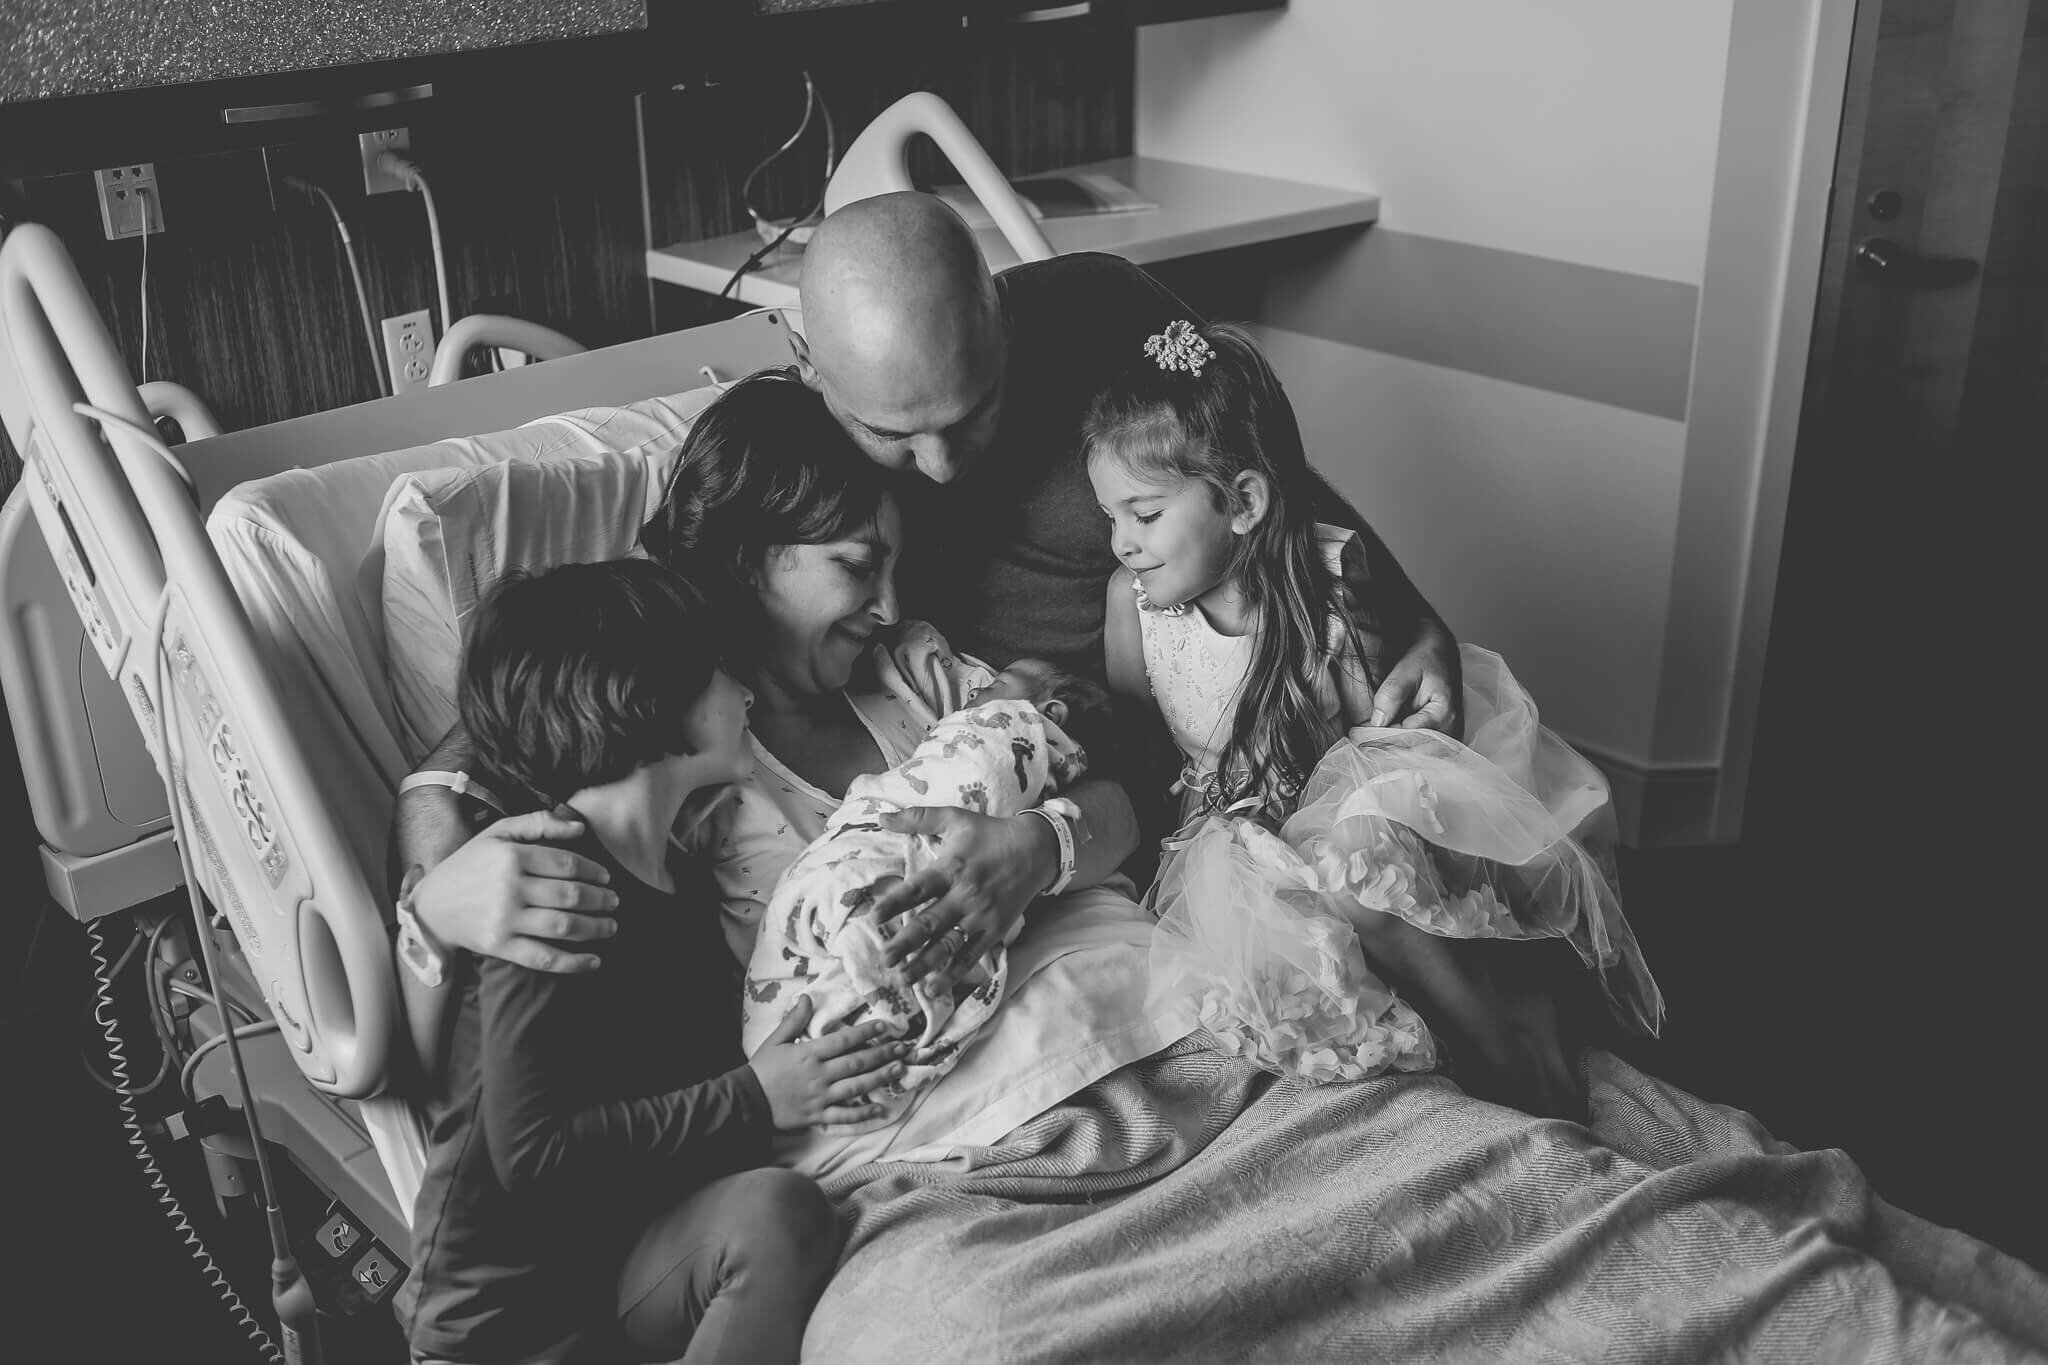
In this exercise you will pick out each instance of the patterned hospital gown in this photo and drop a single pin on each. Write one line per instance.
(820, 936)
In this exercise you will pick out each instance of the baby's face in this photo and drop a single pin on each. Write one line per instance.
(1026, 680)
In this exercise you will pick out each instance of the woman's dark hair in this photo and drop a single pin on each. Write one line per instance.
(575, 677)
(765, 465)
(1231, 419)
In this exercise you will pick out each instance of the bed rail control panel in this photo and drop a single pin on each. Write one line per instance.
(47, 498)
(360, 1270)
(339, 1234)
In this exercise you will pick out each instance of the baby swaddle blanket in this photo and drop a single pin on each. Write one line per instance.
(820, 936)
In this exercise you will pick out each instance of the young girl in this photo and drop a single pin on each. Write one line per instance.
(1306, 831)
(596, 1188)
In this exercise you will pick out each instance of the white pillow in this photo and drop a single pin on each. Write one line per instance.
(448, 534)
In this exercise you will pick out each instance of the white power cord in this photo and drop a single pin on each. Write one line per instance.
(142, 372)
(414, 179)
(761, 222)
(440, 256)
(192, 1062)
(355, 270)
(147, 435)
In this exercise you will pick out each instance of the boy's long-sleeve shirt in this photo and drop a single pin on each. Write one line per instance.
(579, 1106)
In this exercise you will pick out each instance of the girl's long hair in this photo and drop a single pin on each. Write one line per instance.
(1232, 419)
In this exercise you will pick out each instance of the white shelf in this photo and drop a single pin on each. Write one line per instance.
(1200, 209)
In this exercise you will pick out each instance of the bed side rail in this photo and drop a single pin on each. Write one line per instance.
(126, 534)
(878, 162)
(477, 330)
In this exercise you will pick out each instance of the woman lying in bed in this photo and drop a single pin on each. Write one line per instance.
(771, 501)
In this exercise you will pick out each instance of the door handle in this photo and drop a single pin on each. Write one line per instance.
(1889, 263)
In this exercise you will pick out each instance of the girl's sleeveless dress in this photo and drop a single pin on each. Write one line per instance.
(1509, 834)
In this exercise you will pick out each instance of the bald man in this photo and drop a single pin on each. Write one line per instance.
(975, 388)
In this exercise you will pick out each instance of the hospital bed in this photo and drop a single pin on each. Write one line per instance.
(217, 601)
(286, 779)
(224, 592)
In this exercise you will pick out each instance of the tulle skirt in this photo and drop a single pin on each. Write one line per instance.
(1508, 835)
(1272, 966)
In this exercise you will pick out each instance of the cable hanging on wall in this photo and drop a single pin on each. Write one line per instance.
(409, 173)
(355, 270)
(775, 234)
(142, 370)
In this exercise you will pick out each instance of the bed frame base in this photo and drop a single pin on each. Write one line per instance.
(324, 1135)
(108, 883)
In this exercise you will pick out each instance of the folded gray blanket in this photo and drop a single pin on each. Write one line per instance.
(1192, 1208)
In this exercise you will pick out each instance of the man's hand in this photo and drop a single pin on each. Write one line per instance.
(989, 870)
(1426, 689)
(827, 1080)
(506, 894)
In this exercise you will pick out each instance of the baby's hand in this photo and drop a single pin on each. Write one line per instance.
(829, 1079)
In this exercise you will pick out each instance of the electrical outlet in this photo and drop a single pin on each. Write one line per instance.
(129, 206)
(409, 349)
(377, 180)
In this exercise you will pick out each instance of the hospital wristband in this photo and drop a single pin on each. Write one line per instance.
(428, 965)
(1063, 830)
(462, 784)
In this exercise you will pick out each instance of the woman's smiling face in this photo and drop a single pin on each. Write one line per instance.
(820, 604)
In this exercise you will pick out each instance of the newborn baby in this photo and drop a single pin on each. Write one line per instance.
(1012, 746)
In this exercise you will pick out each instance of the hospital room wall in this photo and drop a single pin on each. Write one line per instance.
(540, 200)
(1542, 373)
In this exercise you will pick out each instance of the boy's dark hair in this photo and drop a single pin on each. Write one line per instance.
(575, 677)
(765, 465)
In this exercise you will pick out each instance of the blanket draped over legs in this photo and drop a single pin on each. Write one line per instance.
(1192, 1208)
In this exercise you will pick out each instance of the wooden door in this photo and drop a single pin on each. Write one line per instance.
(1895, 793)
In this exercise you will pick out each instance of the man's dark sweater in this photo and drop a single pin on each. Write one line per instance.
(1012, 559)
(579, 1106)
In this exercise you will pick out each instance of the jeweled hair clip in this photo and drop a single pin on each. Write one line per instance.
(1180, 347)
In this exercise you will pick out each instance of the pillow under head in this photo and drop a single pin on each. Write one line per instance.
(448, 534)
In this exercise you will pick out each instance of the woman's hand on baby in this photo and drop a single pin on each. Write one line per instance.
(1425, 690)
(509, 894)
(988, 871)
(827, 1080)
